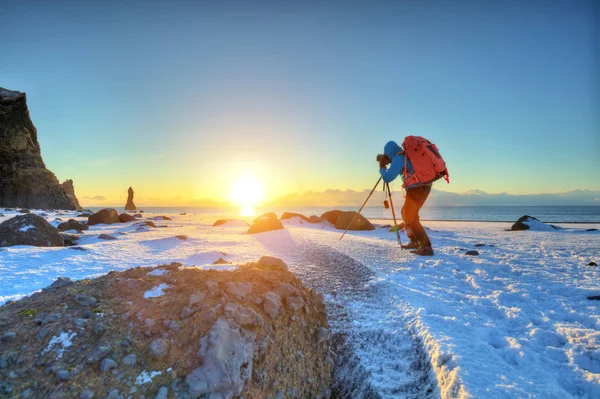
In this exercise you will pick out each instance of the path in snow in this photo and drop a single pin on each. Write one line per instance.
(378, 357)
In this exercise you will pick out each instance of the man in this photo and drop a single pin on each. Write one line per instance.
(416, 194)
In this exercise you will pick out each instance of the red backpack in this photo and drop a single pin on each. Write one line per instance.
(427, 163)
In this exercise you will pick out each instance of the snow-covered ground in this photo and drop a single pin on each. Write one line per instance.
(514, 321)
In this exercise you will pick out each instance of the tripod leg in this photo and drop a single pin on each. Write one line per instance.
(361, 208)
(393, 213)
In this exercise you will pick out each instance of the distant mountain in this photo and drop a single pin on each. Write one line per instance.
(335, 198)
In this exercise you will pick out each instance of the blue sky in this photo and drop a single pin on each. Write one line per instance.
(178, 98)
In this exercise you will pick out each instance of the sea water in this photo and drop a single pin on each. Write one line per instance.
(549, 214)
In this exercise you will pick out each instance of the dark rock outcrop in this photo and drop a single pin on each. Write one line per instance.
(106, 216)
(472, 253)
(331, 216)
(130, 206)
(266, 224)
(289, 215)
(224, 334)
(359, 222)
(24, 180)
(67, 185)
(29, 229)
(125, 217)
(72, 224)
(525, 221)
(222, 222)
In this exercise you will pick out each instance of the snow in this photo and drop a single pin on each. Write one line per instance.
(61, 342)
(146, 377)
(514, 321)
(27, 228)
(156, 291)
(157, 272)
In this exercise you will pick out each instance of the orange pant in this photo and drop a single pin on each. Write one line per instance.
(415, 198)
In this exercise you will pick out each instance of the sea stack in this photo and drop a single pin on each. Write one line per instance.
(130, 206)
(67, 185)
(24, 180)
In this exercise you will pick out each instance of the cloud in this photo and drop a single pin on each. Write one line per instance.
(441, 198)
(96, 198)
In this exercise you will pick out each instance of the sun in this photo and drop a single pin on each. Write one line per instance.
(247, 192)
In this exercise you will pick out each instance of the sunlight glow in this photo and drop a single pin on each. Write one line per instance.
(247, 191)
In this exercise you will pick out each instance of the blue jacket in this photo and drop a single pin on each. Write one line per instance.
(392, 150)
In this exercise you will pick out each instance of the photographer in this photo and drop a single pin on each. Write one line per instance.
(416, 195)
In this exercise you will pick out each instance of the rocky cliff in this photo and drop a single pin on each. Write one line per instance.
(69, 189)
(24, 180)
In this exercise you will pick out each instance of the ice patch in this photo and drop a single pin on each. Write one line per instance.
(61, 341)
(146, 377)
(157, 272)
(156, 291)
(27, 228)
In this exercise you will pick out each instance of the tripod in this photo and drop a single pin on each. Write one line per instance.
(386, 188)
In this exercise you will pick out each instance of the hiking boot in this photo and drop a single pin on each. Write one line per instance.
(411, 245)
(423, 251)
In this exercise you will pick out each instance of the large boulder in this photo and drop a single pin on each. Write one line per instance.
(105, 216)
(130, 206)
(331, 216)
(359, 222)
(526, 222)
(29, 229)
(266, 224)
(72, 224)
(67, 185)
(289, 215)
(24, 180)
(269, 215)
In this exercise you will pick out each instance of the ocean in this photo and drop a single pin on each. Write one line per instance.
(548, 214)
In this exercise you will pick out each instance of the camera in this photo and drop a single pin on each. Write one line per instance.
(383, 159)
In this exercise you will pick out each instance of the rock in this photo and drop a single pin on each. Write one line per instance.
(181, 237)
(294, 302)
(161, 218)
(85, 300)
(69, 189)
(69, 239)
(29, 229)
(331, 216)
(24, 180)
(315, 219)
(286, 289)
(159, 348)
(594, 298)
(592, 230)
(271, 304)
(263, 225)
(61, 282)
(130, 206)
(525, 222)
(226, 363)
(63, 375)
(130, 359)
(24, 211)
(8, 336)
(145, 224)
(107, 364)
(223, 221)
(479, 245)
(289, 215)
(87, 394)
(269, 215)
(137, 215)
(359, 222)
(242, 315)
(273, 263)
(592, 263)
(472, 253)
(323, 335)
(125, 217)
(98, 354)
(106, 237)
(79, 249)
(162, 393)
(72, 224)
(105, 216)
(238, 290)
